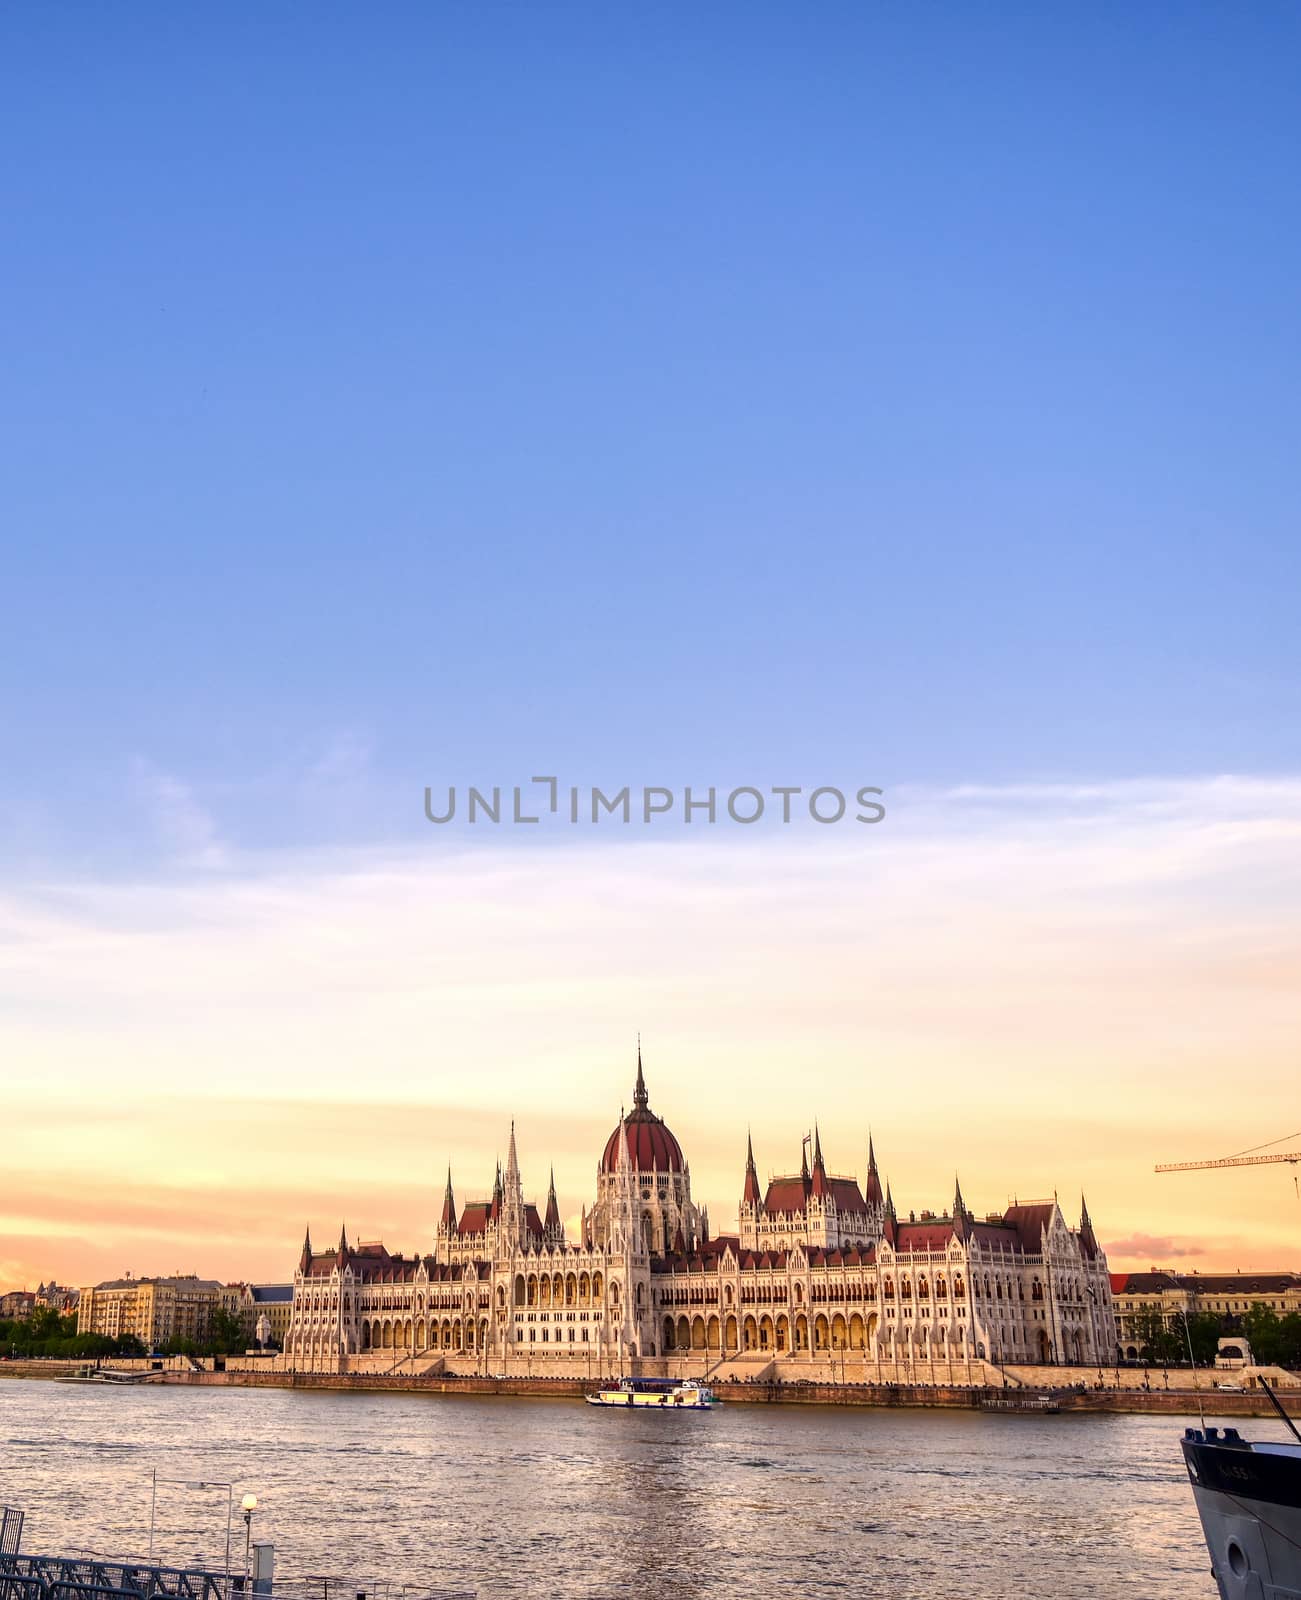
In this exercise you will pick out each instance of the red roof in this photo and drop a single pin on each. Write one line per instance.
(855, 1257)
(474, 1218)
(1030, 1222)
(653, 1146)
(786, 1194)
(791, 1194)
(923, 1236)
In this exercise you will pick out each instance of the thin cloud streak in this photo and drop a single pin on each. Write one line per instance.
(1039, 992)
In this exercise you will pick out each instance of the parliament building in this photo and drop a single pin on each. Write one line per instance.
(821, 1278)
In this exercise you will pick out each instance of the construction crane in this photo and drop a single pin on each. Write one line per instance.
(1245, 1158)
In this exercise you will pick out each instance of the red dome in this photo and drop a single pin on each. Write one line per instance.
(652, 1143)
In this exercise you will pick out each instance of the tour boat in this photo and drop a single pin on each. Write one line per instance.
(656, 1393)
(1249, 1499)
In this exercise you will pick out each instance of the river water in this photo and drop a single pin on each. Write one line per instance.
(541, 1497)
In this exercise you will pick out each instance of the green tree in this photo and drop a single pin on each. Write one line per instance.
(1156, 1342)
(1289, 1332)
(1204, 1333)
(226, 1335)
(1263, 1330)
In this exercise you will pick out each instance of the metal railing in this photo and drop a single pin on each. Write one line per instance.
(86, 1578)
(82, 1578)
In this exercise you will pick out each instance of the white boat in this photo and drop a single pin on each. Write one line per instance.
(655, 1394)
(1248, 1496)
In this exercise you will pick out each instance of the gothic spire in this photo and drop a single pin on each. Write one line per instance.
(1088, 1239)
(821, 1187)
(448, 1219)
(512, 1163)
(750, 1194)
(552, 1223)
(959, 1209)
(305, 1260)
(872, 1193)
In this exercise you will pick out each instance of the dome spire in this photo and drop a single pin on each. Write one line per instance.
(640, 1099)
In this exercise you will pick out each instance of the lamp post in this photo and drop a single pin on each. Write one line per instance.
(249, 1503)
(189, 1483)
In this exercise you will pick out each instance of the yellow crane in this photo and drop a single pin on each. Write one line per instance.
(1245, 1158)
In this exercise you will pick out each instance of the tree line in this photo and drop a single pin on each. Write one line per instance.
(1274, 1340)
(47, 1335)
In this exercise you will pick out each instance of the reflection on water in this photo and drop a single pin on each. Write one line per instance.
(550, 1497)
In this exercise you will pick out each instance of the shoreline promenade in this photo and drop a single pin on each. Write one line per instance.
(1077, 1395)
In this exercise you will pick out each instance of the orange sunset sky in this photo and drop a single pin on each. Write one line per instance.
(1041, 988)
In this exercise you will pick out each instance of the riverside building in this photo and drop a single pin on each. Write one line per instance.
(820, 1279)
(1175, 1295)
(154, 1310)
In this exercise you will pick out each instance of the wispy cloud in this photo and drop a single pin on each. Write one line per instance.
(184, 826)
(1047, 991)
(1156, 1248)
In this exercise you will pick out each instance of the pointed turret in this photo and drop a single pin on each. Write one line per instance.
(679, 1242)
(551, 1226)
(872, 1194)
(305, 1260)
(820, 1187)
(512, 1161)
(341, 1255)
(804, 1162)
(447, 1222)
(628, 1164)
(750, 1193)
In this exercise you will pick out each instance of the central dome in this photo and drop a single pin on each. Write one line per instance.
(653, 1146)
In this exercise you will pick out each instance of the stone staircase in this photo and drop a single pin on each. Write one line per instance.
(750, 1366)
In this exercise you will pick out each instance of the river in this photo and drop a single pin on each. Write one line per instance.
(538, 1497)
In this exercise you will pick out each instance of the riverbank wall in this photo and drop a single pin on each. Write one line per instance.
(1172, 1402)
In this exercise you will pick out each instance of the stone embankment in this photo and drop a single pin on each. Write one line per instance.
(1081, 1397)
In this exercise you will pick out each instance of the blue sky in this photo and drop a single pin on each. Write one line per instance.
(450, 393)
(445, 395)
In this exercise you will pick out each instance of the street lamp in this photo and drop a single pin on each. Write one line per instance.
(188, 1483)
(249, 1504)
